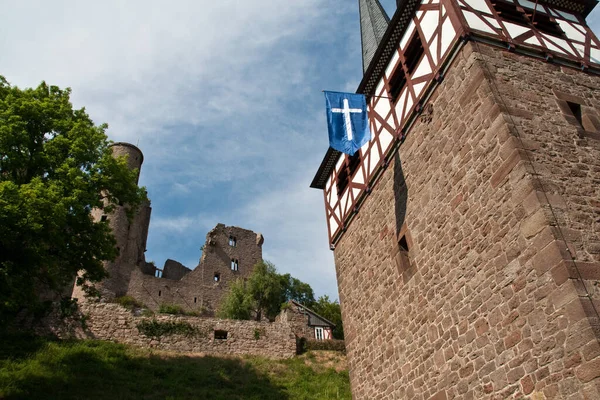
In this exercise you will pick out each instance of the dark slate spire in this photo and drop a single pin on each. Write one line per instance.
(373, 24)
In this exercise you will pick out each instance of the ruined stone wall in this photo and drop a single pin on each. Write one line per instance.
(298, 320)
(485, 305)
(107, 321)
(197, 290)
(174, 270)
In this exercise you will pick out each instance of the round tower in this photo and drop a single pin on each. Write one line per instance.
(130, 235)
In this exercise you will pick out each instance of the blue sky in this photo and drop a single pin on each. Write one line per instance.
(224, 99)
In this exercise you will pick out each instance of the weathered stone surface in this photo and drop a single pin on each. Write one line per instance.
(108, 321)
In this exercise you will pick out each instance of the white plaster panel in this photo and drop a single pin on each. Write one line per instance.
(423, 69)
(430, 23)
(333, 225)
(595, 55)
(358, 178)
(433, 47)
(383, 108)
(552, 46)
(479, 5)
(385, 139)
(579, 48)
(374, 159)
(400, 104)
(570, 31)
(407, 34)
(515, 30)
(355, 191)
(492, 21)
(448, 34)
(533, 40)
(476, 23)
(560, 42)
(419, 14)
(391, 65)
(418, 88)
(339, 163)
(409, 104)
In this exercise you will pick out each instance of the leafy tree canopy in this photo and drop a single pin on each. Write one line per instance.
(54, 165)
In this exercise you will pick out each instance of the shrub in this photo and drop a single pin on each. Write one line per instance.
(156, 329)
(171, 309)
(128, 302)
(336, 345)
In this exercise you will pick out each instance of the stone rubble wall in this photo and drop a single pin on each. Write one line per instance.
(109, 321)
(197, 290)
(489, 306)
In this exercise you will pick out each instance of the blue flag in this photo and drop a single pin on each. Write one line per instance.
(347, 121)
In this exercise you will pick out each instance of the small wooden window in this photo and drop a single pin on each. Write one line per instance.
(397, 83)
(545, 24)
(319, 335)
(413, 53)
(216, 277)
(509, 12)
(220, 335)
(234, 265)
(232, 241)
(348, 169)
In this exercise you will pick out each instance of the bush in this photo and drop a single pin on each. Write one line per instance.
(156, 329)
(171, 309)
(128, 302)
(335, 345)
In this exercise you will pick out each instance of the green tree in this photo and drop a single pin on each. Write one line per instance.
(332, 311)
(295, 289)
(264, 286)
(54, 165)
(238, 303)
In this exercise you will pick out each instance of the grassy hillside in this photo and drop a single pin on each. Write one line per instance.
(37, 368)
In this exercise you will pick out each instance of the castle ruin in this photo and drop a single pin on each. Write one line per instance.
(229, 253)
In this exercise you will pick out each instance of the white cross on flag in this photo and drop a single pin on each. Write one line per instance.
(347, 121)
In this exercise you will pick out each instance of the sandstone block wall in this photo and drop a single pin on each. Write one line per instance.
(493, 196)
(108, 321)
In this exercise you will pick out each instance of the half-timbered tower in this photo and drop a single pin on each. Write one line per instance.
(466, 232)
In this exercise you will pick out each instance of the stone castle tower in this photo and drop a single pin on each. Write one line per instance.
(229, 253)
(466, 233)
(130, 236)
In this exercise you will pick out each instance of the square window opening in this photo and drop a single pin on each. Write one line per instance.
(220, 335)
(217, 277)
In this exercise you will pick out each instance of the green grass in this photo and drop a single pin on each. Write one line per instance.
(37, 368)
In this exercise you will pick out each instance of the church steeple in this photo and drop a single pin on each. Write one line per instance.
(373, 24)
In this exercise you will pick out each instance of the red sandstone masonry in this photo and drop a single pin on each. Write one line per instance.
(497, 203)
